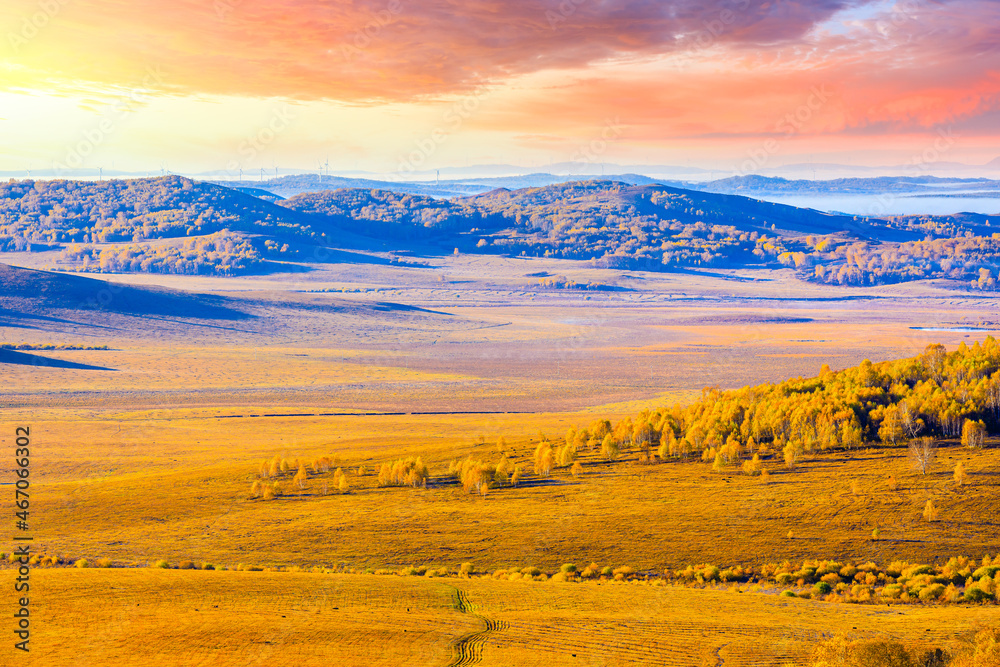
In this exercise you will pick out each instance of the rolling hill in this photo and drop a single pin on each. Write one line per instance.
(175, 225)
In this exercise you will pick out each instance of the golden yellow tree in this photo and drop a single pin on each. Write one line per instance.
(609, 448)
(973, 434)
(960, 473)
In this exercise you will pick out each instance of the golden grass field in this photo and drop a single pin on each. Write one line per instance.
(185, 495)
(170, 617)
(154, 460)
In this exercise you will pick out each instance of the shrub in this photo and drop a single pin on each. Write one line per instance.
(186, 565)
(83, 562)
(984, 651)
(531, 571)
(932, 592)
(103, 562)
(822, 587)
(881, 654)
(917, 570)
(892, 591)
(161, 564)
(208, 566)
(466, 569)
(985, 571)
(568, 568)
(976, 594)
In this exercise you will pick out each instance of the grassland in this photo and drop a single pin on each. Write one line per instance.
(185, 495)
(170, 617)
(154, 459)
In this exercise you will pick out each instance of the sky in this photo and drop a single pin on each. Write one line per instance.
(400, 86)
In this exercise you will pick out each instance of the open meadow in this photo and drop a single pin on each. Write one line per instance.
(168, 617)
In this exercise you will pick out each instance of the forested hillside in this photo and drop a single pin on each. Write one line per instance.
(611, 224)
(393, 214)
(935, 395)
(133, 210)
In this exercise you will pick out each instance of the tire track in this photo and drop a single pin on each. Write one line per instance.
(468, 649)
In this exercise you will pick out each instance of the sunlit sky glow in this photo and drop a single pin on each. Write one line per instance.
(394, 85)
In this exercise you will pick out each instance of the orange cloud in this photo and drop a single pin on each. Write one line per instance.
(382, 49)
(561, 69)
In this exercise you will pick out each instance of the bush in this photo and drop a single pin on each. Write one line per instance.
(83, 562)
(162, 564)
(932, 592)
(103, 562)
(568, 568)
(882, 654)
(984, 651)
(186, 565)
(822, 588)
(892, 591)
(976, 594)
(466, 569)
(831, 578)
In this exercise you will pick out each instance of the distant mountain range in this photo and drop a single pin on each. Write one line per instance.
(560, 170)
(752, 185)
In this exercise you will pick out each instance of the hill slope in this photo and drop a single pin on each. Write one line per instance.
(29, 291)
(213, 229)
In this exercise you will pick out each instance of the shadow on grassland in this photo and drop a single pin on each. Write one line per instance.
(31, 292)
(24, 359)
